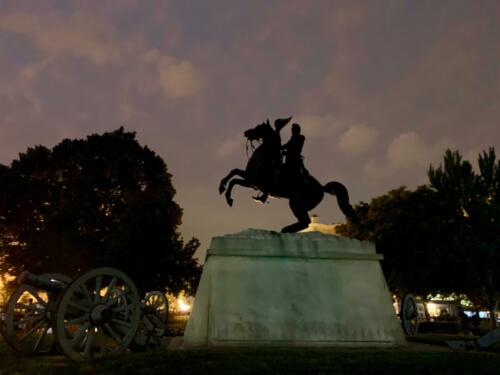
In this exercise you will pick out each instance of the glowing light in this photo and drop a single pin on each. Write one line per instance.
(4, 279)
(183, 306)
(433, 309)
(180, 303)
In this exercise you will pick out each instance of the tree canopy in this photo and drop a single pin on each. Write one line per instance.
(472, 204)
(442, 237)
(405, 227)
(100, 201)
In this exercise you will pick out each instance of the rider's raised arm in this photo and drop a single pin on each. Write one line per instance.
(280, 123)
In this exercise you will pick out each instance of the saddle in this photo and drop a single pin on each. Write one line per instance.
(295, 173)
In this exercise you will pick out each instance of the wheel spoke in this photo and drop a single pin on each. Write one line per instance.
(98, 286)
(37, 296)
(87, 352)
(120, 308)
(33, 329)
(122, 323)
(113, 333)
(31, 319)
(40, 339)
(157, 302)
(79, 320)
(111, 286)
(86, 293)
(78, 334)
(79, 306)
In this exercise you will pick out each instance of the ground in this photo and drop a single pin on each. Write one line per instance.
(417, 358)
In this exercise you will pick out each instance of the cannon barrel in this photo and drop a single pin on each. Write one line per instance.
(43, 282)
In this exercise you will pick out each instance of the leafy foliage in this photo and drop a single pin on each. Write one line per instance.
(100, 201)
(473, 205)
(401, 223)
(440, 238)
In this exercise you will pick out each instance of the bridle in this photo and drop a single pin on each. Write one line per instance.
(251, 146)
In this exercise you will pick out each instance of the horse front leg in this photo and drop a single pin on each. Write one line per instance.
(229, 190)
(234, 172)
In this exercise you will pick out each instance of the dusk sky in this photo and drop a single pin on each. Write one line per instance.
(381, 89)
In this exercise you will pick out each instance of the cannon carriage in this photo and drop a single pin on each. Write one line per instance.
(94, 316)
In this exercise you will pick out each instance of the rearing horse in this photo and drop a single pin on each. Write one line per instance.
(263, 172)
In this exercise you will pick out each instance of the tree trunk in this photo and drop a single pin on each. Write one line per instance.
(426, 310)
(491, 305)
(493, 318)
(493, 313)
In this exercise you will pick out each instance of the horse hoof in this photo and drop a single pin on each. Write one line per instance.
(229, 202)
(222, 188)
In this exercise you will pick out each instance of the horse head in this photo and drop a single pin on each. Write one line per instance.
(261, 131)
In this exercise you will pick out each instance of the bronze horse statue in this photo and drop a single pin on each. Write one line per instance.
(265, 172)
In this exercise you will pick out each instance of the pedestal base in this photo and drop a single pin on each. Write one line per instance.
(301, 289)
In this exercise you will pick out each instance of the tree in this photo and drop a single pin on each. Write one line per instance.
(440, 238)
(473, 205)
(404, 225)
(100, 201)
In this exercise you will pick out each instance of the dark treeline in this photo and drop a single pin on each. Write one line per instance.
(100, 201)
(443, 237)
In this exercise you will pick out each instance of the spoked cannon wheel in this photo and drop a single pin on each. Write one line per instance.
(409, 315)
(152, 326)
(98, 315)
(157, 301)
(29, 316)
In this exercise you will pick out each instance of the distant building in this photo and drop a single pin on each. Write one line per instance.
(316, 226)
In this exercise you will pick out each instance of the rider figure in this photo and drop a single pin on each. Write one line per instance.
(294, 167)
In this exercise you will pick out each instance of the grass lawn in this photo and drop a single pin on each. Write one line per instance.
(415, 359)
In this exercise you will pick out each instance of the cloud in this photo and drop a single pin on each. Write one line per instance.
(347, 19)
(320, 125)
(229, 147)
(90, 37)
(178, 78)
(80, 35)
(357, 139)
(377, 170)
(406, 151)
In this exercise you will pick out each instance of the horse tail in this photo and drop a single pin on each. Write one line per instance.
(340, 191)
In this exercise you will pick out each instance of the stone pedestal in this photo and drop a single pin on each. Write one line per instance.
(306, 289)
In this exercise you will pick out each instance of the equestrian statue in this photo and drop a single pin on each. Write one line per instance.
(278, 170)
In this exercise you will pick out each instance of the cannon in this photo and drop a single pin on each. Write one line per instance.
(97, 315)
(409, 315)
(152, 325)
